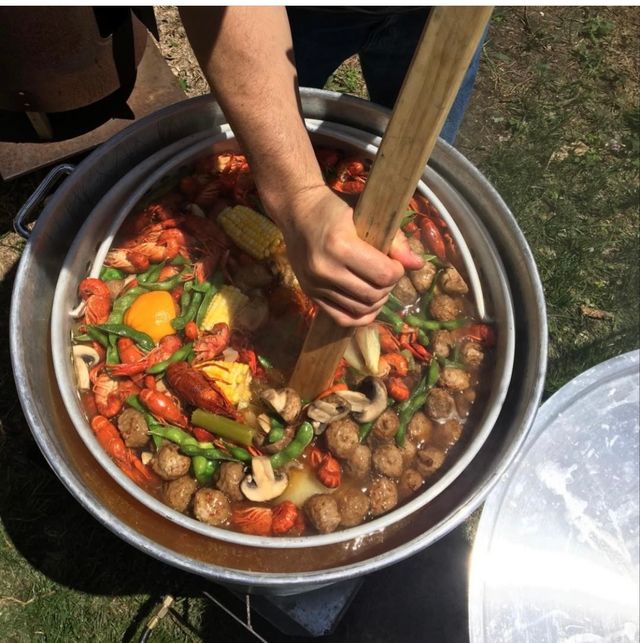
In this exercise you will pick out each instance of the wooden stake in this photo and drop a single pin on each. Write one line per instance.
(446, 47)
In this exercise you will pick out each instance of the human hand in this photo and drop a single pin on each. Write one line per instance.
(348, 278)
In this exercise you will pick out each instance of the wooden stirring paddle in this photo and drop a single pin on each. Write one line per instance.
(442, 57)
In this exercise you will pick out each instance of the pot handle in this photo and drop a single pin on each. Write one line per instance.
(39, 194)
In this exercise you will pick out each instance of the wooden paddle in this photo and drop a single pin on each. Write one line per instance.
(446, 47)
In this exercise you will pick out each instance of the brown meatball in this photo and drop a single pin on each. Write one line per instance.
(177, 493)
(444, 308)
(415, 245)
(452, 283)
(387, 460)
(342, 437)
(419, 428)
(383, 495)
(422, 279)
(429, 460)
(439, 404)
(386, 426)
(169, 463)
(322, 511)
(410, 481)
(447, 434)
(405, 291)
(454, 378)
(231, 475)
(353, 505)
(472, 354)
(408, 451)
(442, 342)
(133, 428)
(359, 463)
(211, 506)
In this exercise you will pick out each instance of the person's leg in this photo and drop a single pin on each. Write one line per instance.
(386, 58)
(323, 40)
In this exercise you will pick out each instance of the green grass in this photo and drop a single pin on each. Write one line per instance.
(555, 126)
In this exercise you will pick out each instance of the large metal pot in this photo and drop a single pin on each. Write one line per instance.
(257, 568)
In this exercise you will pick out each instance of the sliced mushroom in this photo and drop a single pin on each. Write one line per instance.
(356, 400)
(84, 358)
(328, 409)
(264, 422)
(285, 402)
(376, 392)
(264, 484)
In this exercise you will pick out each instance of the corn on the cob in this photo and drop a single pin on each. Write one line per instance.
(223, 307)
(251, 231)
(233, 378)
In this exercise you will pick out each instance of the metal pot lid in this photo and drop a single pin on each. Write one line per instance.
(556, 553)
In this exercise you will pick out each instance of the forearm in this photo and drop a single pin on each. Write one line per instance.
(249, 64)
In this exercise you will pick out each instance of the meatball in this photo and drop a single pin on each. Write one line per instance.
(359, 463)
(444, 308)
(133, 428)
(387, 460)
(231, 475)
(322, 511)
(439, 404)
(177, 493)
(442, 342)
(405, 291)
(472, 354)
(422, 279)
(211, 506)
(408, 452)
(454, 378)
(386, 426)
(410, 481)
(419, 428)
(416, 245)
(383, 495)
(342, 437)
(169, 463)
(353, 505)
(429, 460)
(447, 434)
(452, 283)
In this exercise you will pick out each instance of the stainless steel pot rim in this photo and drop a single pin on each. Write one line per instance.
(60, 345)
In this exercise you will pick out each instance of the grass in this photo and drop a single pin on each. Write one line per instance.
(555, 126)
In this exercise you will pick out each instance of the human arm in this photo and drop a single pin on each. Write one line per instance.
(246, 54)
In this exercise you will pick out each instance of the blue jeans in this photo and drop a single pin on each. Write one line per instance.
(385, 42)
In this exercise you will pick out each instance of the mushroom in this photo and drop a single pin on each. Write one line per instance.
(264, 422)
(84, 358)
(356, 400)
(376, 393)
(328, 409)
(264, 484)
(285, 402)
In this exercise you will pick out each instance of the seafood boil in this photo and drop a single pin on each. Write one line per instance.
(185, 342)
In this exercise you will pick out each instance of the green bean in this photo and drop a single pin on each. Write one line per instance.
(99, 337)
(434, 260)
(450, 363)
(224, 427)
(180, 355)
(109, 274)
(387, 315)
(178, 260)
(428, 324)
(238, 452)
(264, 362)
(112, 355)
(422, 337)
(168, 284)
(434, 373)
(406, 415)
(202, 288)
(82, 337)
(121, 330)
(364, 431)
(394, 303)
(203, 469)
(151, 275)
(187, 443)
(277, 431)
(204, 305)
(295, 448)
(135, 403)
(427, 296)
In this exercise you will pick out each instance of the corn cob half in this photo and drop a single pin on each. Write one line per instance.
(250, 231)
(233, 378)
(223, 307)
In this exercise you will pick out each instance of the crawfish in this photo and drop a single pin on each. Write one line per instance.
(253, 520)
(107, 396)
(326, 467)
(109, 438)
(97, 300)
(198, 390)
(285, 517)
(166, 348)
(211, 344)
(162, 407)
(351, 176)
